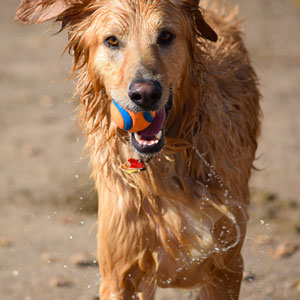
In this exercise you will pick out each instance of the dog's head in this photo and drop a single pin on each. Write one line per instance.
(136, 50)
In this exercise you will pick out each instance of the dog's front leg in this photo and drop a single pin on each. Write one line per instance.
(125, 263)
(225, 284)
(110, 292)
(148, 292)
(114, 283)
(114, 260)
(117, 286)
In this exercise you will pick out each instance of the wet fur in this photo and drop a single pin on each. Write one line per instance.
(182, 222)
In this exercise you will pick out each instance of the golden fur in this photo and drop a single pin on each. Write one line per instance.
(182, 222)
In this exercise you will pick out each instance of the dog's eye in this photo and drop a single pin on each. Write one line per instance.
(165, 38)
(112, 42)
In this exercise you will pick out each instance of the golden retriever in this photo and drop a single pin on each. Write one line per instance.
(181, 221)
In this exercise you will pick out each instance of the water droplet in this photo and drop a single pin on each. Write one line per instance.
(15, 272)
(81, 222)
(76, 176)
(71, 237)
(184, 278)
(65, 266)
(89, 286)
(129, 275)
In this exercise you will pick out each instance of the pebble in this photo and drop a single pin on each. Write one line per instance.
(5, 242)
(263, 240)
(70, 221)
(49, 258)
(249, 276)
(60, 282)
(296, 285)
(285, 250)
(30, 150)
(83, 260)
(46, 102)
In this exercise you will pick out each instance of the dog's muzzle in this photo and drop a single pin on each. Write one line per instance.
(145, 94)
(151, 140)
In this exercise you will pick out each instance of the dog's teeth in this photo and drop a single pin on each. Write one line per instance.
(137, 136)
(143, 142)
(158, 135)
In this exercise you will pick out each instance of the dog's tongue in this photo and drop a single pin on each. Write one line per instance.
(156, 125)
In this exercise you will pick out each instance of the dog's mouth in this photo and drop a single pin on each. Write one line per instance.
(151, 140)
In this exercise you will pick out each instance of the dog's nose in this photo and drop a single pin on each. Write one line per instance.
(145, 93)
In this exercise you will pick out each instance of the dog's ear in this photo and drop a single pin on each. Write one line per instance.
(204, 30)
(38, 11)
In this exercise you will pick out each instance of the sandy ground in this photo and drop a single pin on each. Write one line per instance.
(48, 206)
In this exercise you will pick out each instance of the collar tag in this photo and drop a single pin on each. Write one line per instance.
(133, 166)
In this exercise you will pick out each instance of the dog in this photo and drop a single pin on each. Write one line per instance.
(179, 220)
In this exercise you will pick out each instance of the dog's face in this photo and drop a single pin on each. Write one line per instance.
(140, 54)
(138, 51)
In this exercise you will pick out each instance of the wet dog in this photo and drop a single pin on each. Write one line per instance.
(181, 221)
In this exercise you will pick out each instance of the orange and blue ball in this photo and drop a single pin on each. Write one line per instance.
(129, 120)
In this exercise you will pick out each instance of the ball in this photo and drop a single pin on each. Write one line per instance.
(129, 120)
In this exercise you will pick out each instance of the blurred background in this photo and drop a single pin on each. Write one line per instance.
(47, 202)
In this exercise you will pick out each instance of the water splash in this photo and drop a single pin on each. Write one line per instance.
(222, 208)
